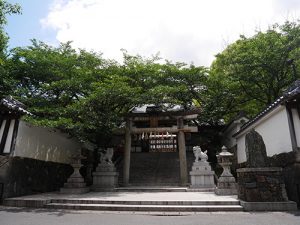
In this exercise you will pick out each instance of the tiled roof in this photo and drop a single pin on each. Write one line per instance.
(289, 94)
(12, 105)
(163, 108)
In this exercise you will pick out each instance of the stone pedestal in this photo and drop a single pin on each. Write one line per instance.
(261, 184)
(261, 189)
(105, 178)
(201, 175)
(226, 182)
(75, 184)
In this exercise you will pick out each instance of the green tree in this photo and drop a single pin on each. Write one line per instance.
(53, 79)
(80, 92)
(167, 82)
(137, 81)
(6, 81)
(252, 72)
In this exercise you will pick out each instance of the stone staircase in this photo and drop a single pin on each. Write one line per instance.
(149, 206)
(154, 188)
(155, 169)
(143, 202)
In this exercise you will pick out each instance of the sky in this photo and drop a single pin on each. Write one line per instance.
(190, 31)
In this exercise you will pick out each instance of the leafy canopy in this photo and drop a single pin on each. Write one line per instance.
(252, 72)
(6, 82)
(88, 96)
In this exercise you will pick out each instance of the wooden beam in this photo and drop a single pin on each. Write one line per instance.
(291, 127)
(173, 129)
(147, 118)
(127, 151)
(182, 153)
(4, 136)
(15, 134)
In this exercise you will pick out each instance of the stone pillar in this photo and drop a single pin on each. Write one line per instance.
(182, 153)
(127, 150)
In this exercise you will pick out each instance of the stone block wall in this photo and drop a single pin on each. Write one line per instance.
(25, 176)
(261, 185)
(290, 172)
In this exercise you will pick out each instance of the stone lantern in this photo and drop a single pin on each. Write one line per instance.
(226, 182)
(75, 184)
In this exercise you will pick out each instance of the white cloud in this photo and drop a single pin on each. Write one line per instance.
(181, 30)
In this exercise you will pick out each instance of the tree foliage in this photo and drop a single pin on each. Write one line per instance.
(254, 71)
(88, 96)
(6, 82)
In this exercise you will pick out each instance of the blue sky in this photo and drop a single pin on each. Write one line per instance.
(22, 28)
(180, 30)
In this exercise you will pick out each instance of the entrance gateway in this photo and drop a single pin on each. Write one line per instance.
(159, 129)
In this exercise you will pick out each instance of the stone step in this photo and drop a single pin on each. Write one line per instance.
(158, 168)
(152, 202)
(75, 180)
(74, 185)
(79, 190)
(148, 208)
(32, 203)
(151, 189)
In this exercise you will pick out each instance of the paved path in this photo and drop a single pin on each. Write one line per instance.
(136, 196)
(27, 216)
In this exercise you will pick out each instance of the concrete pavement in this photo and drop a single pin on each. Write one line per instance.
(136, 196)
(29, 216)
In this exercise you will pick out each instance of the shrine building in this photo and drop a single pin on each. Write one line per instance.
(155, 129)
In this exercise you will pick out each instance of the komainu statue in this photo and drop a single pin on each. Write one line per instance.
(106, 156)
(199, 154)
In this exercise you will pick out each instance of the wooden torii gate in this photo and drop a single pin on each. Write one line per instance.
(153, 116)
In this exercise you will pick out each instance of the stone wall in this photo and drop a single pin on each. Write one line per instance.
(261, 185)
(25, 176)
(290, 171)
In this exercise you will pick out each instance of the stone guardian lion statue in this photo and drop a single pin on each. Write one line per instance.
(106, 156)
(199, 154)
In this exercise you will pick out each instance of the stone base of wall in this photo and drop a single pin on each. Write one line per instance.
(25, 176)
(290, 170)
(291, 176)
(269, 206)
(261, 185)
(291, 173)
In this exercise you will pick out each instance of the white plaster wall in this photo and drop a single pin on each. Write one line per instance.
(297, 125)
(241, 153)
(44, 144)
(9, 137)
(2, 129)
(229, 141)
(275, 132)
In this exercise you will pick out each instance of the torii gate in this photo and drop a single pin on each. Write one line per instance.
(152, 115)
